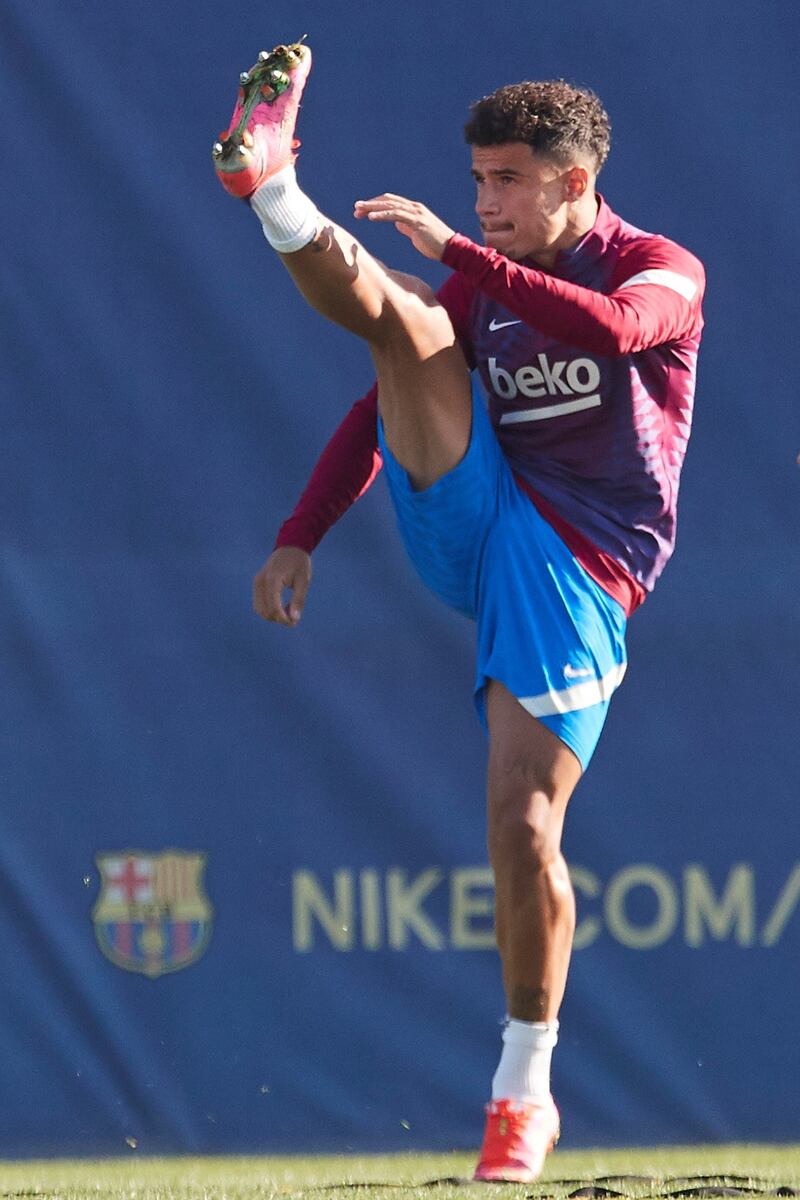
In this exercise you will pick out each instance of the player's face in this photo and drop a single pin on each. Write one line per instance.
(524, 203)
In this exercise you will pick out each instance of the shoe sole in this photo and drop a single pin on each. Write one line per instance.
(267, 79)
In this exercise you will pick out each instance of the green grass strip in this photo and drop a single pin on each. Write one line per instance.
(661, 1171)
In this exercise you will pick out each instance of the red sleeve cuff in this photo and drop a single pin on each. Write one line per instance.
(295, 532)
(453, 255)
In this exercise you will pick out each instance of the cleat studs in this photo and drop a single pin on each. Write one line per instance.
(243, 152)
(244, 78)
(297, 50)
(217, 149)
(263, 55)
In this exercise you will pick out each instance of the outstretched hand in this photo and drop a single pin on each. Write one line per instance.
(288, 569)
(427, 232)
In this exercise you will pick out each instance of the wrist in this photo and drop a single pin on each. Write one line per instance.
(454, 244)
(290, 539)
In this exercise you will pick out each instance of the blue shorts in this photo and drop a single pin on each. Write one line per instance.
(546, 630)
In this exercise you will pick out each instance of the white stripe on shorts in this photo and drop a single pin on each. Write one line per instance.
(580, 695)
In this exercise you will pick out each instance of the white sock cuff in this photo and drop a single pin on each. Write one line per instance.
(538, 1035)
(288, 217)
(523, 1072)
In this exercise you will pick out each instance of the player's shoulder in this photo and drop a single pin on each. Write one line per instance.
(639, 251)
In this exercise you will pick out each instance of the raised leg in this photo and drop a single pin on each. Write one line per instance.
(424, 392)
(423, 383)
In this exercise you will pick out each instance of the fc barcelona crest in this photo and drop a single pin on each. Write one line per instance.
(152, 914)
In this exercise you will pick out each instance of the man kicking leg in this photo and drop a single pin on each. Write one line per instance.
(479, 543)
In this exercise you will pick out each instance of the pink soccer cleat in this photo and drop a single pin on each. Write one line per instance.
(260, 139)
(517, 1140)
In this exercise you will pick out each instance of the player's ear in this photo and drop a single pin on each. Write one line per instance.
(576, 181)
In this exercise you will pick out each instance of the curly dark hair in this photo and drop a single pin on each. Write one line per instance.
(552, 117)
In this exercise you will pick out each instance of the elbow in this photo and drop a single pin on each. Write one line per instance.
(606, 343)
(616, 343)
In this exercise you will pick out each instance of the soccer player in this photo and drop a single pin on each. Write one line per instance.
(547, 518)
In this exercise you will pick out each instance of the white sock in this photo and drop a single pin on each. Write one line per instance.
(523, 1072)
(288, 218)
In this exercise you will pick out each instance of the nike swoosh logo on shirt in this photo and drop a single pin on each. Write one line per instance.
(495, 325)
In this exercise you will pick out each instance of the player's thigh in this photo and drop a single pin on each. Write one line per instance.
(546, 630)
(424, 391)
(444, 527)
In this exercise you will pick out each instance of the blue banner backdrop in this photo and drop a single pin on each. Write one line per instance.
(244, 901)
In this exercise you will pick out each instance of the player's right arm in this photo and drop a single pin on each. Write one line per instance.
(345, 470)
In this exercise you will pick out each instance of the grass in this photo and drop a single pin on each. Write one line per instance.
(396, 1177)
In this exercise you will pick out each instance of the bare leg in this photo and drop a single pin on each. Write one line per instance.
(531, 777)
(423, 382)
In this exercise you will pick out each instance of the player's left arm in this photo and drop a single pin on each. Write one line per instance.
(655, 297)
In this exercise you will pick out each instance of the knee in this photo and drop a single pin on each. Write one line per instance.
(412, 286)
(411, 318)
(524, 833)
